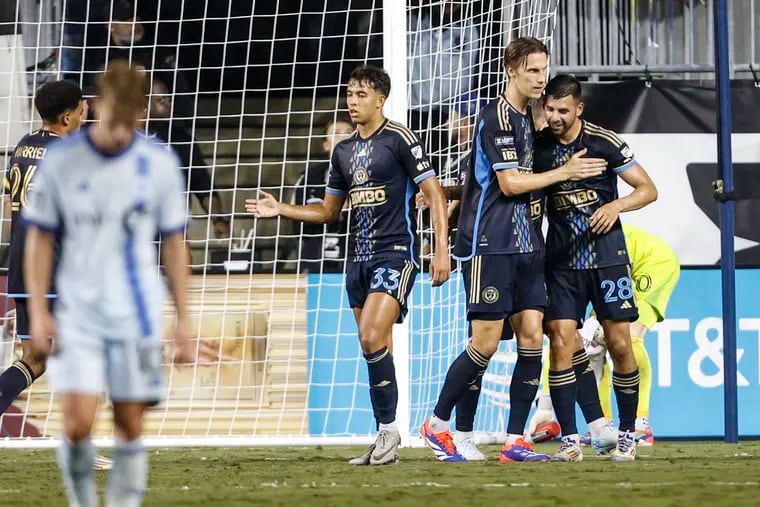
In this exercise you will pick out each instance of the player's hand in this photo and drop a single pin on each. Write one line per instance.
(42, 328)
(184, 348)
(440, 268)
(421, 201)
(266, 206)
(604, 218)
(581, 168)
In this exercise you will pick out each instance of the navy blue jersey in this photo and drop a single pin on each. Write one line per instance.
(537, 205)
(490, 222)
(379, 175)
(18, 182)
(570, 244)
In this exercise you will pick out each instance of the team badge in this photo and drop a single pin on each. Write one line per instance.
(490, 294)
(417, 152)
(360, 176)
(626, 151)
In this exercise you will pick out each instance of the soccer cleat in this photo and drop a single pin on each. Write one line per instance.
(626, 447)
(644, 432)
(102, 463)
(569, 450)
(363, 460)
(606, 440)
(469, 451)
(545, 432)
(520, 451)
(586, 439)
(441, 443)
(386, 448)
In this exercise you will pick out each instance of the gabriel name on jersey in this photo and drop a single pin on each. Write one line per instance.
(570, 244)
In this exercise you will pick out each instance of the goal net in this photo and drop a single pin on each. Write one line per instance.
(251, 97)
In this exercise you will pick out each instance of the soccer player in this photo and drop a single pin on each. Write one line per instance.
(503, 270)
(587, 260)
(107, 192)
(61, 108)
(377, 168)
(655, 271)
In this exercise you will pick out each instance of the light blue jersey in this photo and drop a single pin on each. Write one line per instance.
(108, 210)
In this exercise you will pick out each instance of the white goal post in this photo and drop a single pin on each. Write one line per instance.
(250, 87)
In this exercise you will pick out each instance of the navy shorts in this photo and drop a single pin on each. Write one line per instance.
(394, 276)
(609, 290)
(498, 286)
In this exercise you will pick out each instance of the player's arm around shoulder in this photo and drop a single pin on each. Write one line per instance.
(623, 163)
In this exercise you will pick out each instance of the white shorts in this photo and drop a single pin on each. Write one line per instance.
(85, 363)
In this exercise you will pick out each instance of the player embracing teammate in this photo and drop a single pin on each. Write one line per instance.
(576, 164)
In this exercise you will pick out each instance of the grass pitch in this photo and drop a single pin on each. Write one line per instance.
(673, 474)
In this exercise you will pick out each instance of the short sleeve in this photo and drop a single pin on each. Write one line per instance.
(498, 145)
(336, 182)
(172, 209)
(43, 208)
(617, 153)
(414, 158)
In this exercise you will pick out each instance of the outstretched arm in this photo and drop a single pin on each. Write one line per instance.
(327, 211)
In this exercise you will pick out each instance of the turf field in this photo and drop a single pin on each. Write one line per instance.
(677, 474)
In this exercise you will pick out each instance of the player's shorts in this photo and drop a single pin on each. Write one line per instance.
(653, 287)
(498, 286)
(394, 276)
(22, 316)
(609, 290)
(85, 363)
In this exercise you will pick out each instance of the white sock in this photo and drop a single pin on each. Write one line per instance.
(545, 402)
(75, 461)
(129, 476)
(438, 425)
(391, 426)
(596, 426)
(574, 437)
(461, 436)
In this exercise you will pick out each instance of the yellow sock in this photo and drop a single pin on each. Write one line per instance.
(605, 391)
(645, 374)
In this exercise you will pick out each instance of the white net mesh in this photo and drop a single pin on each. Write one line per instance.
(244, 92)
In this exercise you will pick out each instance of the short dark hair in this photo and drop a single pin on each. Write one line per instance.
(55, 98)
(564, 85)
(375, 77)
(517, 51)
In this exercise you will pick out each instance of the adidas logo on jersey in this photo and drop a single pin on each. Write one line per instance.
(626, 305)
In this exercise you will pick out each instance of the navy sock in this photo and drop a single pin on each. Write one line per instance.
(468, 404)
(523, 388)
(383, 390)
(13, 381)
(588, 392)
(462, 372)
(563, 390)
(626, 386)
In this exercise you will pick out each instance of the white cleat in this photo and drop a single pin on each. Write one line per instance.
(469, 450)
(102, 463)
(569, 450)
(606, 440)
(363, 460)
(626, 447)
(386, 448)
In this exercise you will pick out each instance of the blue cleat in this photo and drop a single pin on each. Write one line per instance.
(520, 451)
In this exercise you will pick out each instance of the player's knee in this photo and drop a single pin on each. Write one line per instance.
(77, 429)
(371, 339)
(485, 345)
(531, 338)
(128, 427)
